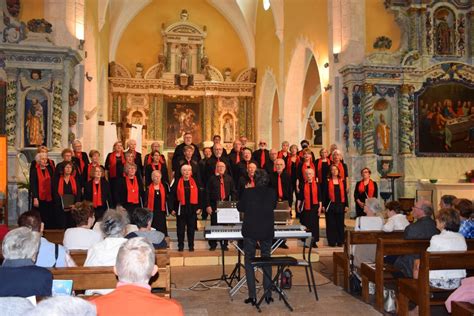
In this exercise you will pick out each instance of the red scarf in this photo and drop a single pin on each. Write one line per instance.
(252, 182)
(262, 159)
(96, 194)
(281, 152)
(288, 166)
(222, 188)
(340, 166)
(151, 197)
(89, 171)
(314, 189)
(320, 169)
(280, 188)
(154, 167)
(44, 184)
(132, 190)
(113, 164)
(304, 167)
(61, 185)
(237, 157)
(194, 191)
(81, 161)
(332, 196)
(371, 186)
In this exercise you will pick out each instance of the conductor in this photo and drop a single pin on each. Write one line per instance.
(258, 204)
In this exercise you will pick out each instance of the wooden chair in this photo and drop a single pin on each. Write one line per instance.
(380, 272)
(55, 236)
(462, 309)
(419, 290)
(341, 260)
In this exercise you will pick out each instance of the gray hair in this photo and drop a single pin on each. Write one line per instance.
(427, 208)
(113, 223)
(135, 261)
(63, 305)
(39, 156)
(21, 243)
(374, 205)
(76, 141)
(129, 165)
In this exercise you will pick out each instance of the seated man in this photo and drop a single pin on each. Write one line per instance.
(49, 254)
(18, 275)
(134, 268)
(142, 218)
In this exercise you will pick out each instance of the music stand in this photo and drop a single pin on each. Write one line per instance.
(67, 201)
(392, 177)
(282, 212)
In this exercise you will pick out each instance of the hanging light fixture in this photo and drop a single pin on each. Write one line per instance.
(266, 5)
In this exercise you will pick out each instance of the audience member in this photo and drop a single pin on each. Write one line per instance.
(142, 218)
(396, 219)
(50, 254)
(447, 221)
(81, 236)
(63, 305)
(466, 212)
(13, 306)
(464, 293)
(18, 274)
(446, 201)
(134, 267)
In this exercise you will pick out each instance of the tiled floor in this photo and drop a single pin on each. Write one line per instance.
(215, 301)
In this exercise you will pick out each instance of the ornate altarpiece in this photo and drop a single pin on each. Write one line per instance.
(379, 95)
(183, 75)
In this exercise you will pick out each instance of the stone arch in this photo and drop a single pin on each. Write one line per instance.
(265, 106)
(293, 128)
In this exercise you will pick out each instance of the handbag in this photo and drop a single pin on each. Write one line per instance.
(286, 279)
(389, 300)
(355, 286)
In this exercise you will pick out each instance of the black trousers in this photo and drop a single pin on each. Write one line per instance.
(99, 212)
(335, 224)
(46, 210)
(310, 219)
(186, 221)
(265, 251)
(159, 222)
(213, 243)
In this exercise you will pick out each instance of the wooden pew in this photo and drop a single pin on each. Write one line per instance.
(341, 260)
(419, 290)
(462, 309)
(55, 236)
(380, 272)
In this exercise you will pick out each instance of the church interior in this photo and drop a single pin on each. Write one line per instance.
(375, 96)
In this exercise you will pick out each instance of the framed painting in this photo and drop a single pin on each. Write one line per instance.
(181, 118)
(444, 120)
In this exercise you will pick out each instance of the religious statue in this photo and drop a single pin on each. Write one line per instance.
(228, 130)
(227, 74)
(204, 62)
(184, 62)
(444, 38)
(383, 136)
(161, 66)
(35, 124)
(184, 15)
(139, 71)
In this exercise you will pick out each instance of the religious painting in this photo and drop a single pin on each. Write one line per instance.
(444, 117)
(228, 128)
(36, 114)
(181, 118)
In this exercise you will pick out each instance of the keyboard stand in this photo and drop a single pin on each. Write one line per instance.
(235, 274)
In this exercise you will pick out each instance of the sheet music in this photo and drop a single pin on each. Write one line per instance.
(228, 216)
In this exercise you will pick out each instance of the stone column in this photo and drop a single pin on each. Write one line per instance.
(115, 107)
(11, 108)
(160, 118)
(67, 76)
(405, 120)
(242, 117)
(250, 118)
(368, 120)
(57, 114)
(215, 115)
(151, 122)
(208, 105)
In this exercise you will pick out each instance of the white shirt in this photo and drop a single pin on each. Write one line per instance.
(447, 241)
(104, 253)
(368, 223)
(396, 222)
(80, 238)
(366, 253)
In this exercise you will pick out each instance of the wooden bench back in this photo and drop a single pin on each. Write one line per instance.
(161, 255)
(367, 237)
(55, 236)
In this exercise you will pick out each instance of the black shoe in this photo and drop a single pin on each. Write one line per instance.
(269, 299)
(284, 246)
(180, 249)
(339, 244)
(332, 245)
(225, 248)
(191, 249)
(212, 248)
(250, 300)
(315, 245)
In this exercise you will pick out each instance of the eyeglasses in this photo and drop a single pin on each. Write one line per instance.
(262, 143)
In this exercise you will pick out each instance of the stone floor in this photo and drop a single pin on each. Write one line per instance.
(215, 301)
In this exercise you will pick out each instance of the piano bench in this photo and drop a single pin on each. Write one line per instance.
(274, 261)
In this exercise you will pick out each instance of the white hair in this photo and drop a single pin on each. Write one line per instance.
(21, 243)
(76, 141)
(63, 305)
(374, 205)
(186, 167)
(39, 156)
(113, 223)
(135, 261)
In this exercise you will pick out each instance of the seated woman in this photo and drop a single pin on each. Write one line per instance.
(81, 236)
(466, 212)
(447, 221)
(19, 276)
(396, 219)
(371, 221)
(142, 218)
(104, 253)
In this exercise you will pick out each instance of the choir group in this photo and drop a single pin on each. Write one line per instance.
(196, 184)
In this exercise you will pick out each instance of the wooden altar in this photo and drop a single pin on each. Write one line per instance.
(443, 187)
